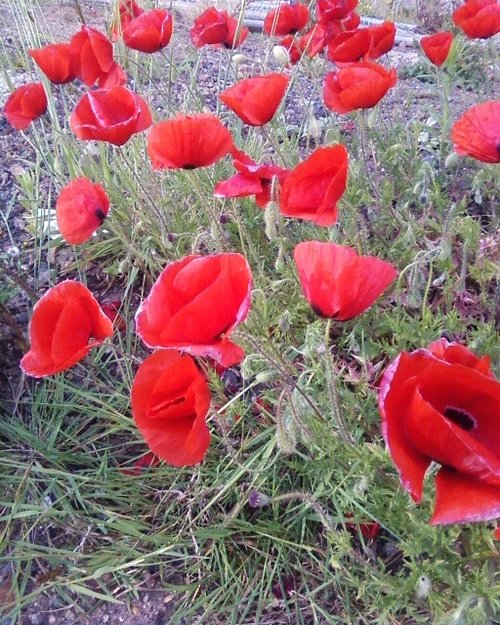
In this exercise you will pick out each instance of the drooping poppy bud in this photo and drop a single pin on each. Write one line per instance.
(56, 62)
(188, 142)
(111, 115)
(25, 104)
(311, 190)
(255, 100)
(337, 282)
(195, 304)
(149, 32)
(67, 322)
(81, 208)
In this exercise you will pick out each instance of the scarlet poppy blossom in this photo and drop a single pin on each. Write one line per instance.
(81, 208)
(116, 77)
(349, 46)
(478, 19)
(149, 32)
(477, 132)
(127, 11)
(353, 20)
(255, 100)
(25, 104)
(92, 54)
(383, 38)
(437, 47)
(111, 309)
(337, 282)
(188, 142)
(292, 48)
(251, 179)
(442, 404)
(311, 190)
(236, 33)
(56, 62)
(170, 401)
(287, 19)
(357, 86)
(111, 115)
(67, 323)
(209, 28)
(332, 10)
(217, 27)
(318, 37)
(195, 304)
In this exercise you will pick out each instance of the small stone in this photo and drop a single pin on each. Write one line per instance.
(105, 618)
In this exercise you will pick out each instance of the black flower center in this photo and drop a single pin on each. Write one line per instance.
(100, 214)
(460, 417)
(188, 166)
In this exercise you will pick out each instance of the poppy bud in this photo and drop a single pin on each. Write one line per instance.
(281, 55)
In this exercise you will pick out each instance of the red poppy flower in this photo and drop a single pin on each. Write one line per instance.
(251, 179)
(56, 62)
(92, 54)
(349, 46)
(209, 28)
(357, 86)
(67, 323)
(437, 47)
(188, 142)
(443, 405)
(478, 19)
(116, 77)
(25, 104)
(369, 529)
(111, 309)
(352, 21)
(316, 39)
(127, 11)
(149, 32)
(111, 115)
(147, 461)
(217, 27)
(477, 132)
(496, 533)
(332, 10)
(311, 190)
(255, 100)
(195, 304)
(236, 33)
(383, 38)
(337, 282)
(287, 19)
(81, 208)
(292, 48)
(170, 401)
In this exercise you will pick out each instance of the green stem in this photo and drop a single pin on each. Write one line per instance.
(331, 386)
